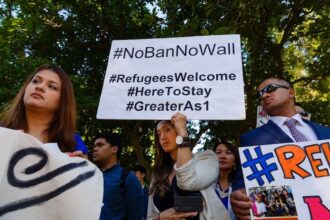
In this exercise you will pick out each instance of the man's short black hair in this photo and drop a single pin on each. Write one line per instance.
(139, 168)
(287, 82)
(113, 139)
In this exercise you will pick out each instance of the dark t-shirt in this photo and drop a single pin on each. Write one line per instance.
(167, 201)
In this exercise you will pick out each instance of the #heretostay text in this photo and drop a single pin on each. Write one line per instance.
(169, 90)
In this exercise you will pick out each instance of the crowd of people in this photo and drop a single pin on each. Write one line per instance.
(273, 202)
(211, 180)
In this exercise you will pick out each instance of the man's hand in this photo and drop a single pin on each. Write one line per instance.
(241, 204)
(78, 153)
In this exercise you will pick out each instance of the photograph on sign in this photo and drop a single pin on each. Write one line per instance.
(273, 201)
(276, 177)
(154, 78)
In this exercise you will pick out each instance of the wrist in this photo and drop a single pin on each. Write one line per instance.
(182, 141)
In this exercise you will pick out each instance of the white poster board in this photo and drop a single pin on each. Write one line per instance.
(153, 78)
(40, 182)
(301, 169)
(262, 117)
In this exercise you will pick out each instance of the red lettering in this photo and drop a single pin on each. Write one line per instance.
(317, 209)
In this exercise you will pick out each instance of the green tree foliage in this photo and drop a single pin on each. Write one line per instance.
(76, 35)
(288, 39)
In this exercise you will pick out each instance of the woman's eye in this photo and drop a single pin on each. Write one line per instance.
(52, 87)
(168, 129)
(35, 81)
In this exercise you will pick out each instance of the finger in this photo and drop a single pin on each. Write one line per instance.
(184, 214)
(239, 196)
(241, 204)
(78, 153)
(246, 217)
(191, 214)
(243, 209)
(69, 154)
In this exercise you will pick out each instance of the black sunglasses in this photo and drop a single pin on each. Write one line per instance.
(271, 88)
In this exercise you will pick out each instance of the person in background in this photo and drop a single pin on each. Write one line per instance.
(288, 199)
(260, 206)
(122, 196)
(229, 161)
(176, 166)
(140, 173)
(300, 110)
(45, 108)
(285, 126)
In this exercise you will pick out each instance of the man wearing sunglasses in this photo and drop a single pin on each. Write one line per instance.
(277, 100)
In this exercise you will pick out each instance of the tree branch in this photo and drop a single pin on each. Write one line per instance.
(307, 79)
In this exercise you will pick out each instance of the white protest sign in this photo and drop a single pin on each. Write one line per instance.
(291, 180)
(153, 78)
(262, 117)
(38, 182)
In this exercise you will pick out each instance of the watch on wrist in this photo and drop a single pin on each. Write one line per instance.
(182, 141)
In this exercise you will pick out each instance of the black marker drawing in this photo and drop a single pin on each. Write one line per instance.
(14, 181)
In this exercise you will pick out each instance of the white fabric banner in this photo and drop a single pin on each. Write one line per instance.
(40, 182)
(293, 180)
(201, 77)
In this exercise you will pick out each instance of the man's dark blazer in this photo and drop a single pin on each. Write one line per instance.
(270, 133)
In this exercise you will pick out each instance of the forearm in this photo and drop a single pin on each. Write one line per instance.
(192, 175)
(184, 155)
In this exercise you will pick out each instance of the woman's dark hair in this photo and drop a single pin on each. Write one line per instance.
(63, 125)
(232, 149)
(162, 168)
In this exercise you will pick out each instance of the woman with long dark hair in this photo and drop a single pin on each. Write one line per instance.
(175, 162)
(45, 108)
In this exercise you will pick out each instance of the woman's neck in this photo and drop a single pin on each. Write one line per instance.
(174, 155)
(224, 179)
(37, 124)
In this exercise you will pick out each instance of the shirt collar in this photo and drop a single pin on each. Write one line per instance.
(279, 120)
(112, 168)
